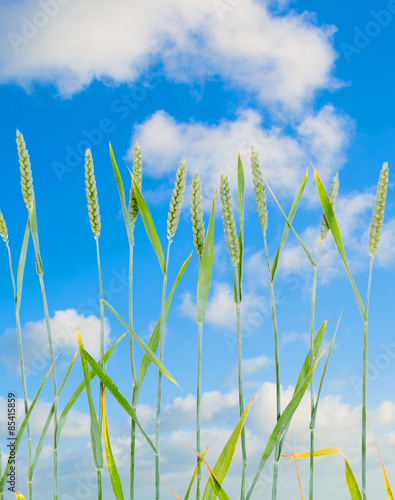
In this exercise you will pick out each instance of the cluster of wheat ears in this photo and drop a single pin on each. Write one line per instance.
(204, 243)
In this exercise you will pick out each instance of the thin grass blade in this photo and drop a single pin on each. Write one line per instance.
(283, 422)
(387, 482)
(350, 477)
(291, 216)
(21, 267)
(220, 492)
(144, 346)
(22, 428)
(240, 202)
(34, 231)
(334, 227)
(175, 494)
(314, 416)
(49, 418)
(121, 191)
(296, 468)
(112, 467)
(81, 387)
(199, 463)
(149, 226)
(113, 388)
(223, 463)
(94, 424)
(289, 223)
(154, 339)
(205, 269)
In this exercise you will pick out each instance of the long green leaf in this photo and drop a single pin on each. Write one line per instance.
(195, 473)
(291, 226)
(334, 227)
(283, 423)
(49, 418)
(121, 191)
(97, 450)
(144, 346)
(387, 482)
(350, 478)
(223, 463)
(21, 267)
(291, 216)
(34, 231)
(112, 467)
(305, 370)
(240, 203)
(81, 387)
(22, 429)
(205, 269)
(149, 226)
(216, 485)
(113, 388)
(154, 340)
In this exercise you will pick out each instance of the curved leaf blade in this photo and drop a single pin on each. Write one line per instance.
(205, 269)
(149, 226)
(112, 467)
(21, 267)
(387, 482)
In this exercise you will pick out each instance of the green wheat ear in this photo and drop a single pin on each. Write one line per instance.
(177, 200)
(378, 212)
(26, 171)
(229, 220)
(3, 228)
(137, 174)
(259, 189)
(197, 215)
(332, 199)
(91, 194)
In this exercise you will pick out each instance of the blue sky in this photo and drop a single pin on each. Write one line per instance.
(300, 82)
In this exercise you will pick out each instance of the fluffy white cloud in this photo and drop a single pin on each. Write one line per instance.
(212, 149)
(64, 328)
(280, 58)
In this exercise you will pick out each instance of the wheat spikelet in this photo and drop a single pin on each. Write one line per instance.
(197, 215)
(26, 171)
(3, 229)
(259, 189)
(229, 220)
(137, 174)
(332, 199)
(378, 211)
(91, 194)
(177, 200)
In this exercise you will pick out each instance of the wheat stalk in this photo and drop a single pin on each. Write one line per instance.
(26, 171)
(259, 189)
(3, 228)
(378, 211)
(91, 194)
(197, 215)
(176, 200)
(229, 220)
(137, 174)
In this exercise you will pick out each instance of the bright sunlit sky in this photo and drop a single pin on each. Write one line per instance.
(302, 82)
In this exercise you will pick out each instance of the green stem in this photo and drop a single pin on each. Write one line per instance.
(240, 380)
(133, 370)
(364, 382)
(55, 390)
(23, 375)
(311, 359)
(99, 474)
(198, 404)
(277, 362)
(159, 397)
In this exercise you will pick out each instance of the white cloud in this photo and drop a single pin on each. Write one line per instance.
(64, 328)
(280, 58)
(212, 149)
